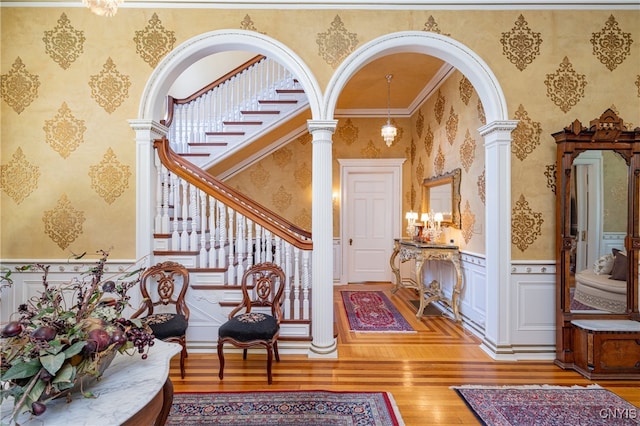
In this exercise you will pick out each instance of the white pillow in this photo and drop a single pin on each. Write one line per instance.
(604, 265)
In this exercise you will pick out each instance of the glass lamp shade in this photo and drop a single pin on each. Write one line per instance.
(388, 133)
(103, 7)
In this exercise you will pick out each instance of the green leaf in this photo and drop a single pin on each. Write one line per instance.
(74, 349)
(52, 363)
(65, 375)
(22, 370)
(36, 391)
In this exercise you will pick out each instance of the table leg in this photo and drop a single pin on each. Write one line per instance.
(394, 268)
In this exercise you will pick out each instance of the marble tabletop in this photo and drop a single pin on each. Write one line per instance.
(124, 389)
(608, 325)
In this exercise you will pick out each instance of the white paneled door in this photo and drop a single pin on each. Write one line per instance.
(370, 220)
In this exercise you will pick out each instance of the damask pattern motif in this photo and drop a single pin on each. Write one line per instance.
(468, 151)
(452, 126)
(526, 136)
(19, 87)
(282, 157)
(303, 175)
(521, 45)
(432, 26)
(281, 199)
(109, 88)
(438, 162)
(419, 123)
(428, 141)
(466, 90)
(335, 44)
(260, 176)
(19, 178)
(109, 178)
(525, 224)
(247, 24)
(481, 115)
(565, 87)
(482, 186)
(610, 45)
(64, 132)
(420, 171)
(64, 44)
(551, 173)
(154, 41)
(468, 222)
(348, 132)
(370, 151)
(63, 223)
(438, 107)
(303, 219)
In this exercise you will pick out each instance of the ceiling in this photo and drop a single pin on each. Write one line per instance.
(414, 76)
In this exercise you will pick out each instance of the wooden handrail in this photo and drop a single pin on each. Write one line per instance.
(171, 101)
(259, 214)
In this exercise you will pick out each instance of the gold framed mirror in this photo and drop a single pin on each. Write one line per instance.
(442, 194)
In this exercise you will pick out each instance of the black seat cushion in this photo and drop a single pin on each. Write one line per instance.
(166, 325)
(249, 326)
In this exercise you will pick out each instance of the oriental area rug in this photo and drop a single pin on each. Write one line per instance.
(309, 408)
(548, 405)
(372, 311)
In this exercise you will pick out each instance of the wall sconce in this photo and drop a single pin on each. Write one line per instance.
(389, 131)
(335, 198)
(103, 7)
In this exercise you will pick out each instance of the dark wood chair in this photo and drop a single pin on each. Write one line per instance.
(164, 308)
(256, 321)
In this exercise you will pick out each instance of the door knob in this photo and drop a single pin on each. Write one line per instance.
(350, 241)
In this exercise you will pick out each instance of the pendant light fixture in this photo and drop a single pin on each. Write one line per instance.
(389, 131)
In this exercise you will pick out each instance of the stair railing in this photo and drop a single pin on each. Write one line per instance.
(190, 119)
(202, 216)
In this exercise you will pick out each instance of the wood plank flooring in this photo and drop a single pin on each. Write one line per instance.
(417, 368)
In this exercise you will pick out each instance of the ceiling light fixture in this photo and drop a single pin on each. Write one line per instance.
(389, 131)
(103, 7)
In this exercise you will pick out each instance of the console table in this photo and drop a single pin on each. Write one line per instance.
(132, 391)
(409, 249)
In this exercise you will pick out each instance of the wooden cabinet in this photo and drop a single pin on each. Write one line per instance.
(595, 342)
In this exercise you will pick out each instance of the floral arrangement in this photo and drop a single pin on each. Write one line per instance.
(48, 348)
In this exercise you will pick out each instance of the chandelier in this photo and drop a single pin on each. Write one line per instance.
(103, 7)
(389, 131)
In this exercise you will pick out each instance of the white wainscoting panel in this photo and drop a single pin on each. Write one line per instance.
(611, 240)
(474, 291)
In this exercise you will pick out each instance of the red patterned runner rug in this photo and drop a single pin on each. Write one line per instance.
(372, 311)
(548, 405)
(309, 408)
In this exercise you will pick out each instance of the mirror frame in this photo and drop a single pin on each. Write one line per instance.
(452, 178)
(605, 133)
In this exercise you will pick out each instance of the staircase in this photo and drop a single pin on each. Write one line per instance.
(233, 111)
(212, 229)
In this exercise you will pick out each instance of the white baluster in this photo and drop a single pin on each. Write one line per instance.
(213, 211)
(269, 246)
(258, 249)
(203, 230)
(175, 236)
(222, 227)
(306, 283)
(195, 218)
(287, 285)
(296, 284)
(278, 258)
(250, 247)
(184, 236)
(240, 244)
(157, 224)
(231, 278)
(164, 229)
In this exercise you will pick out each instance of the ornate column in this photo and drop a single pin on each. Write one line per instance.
(146, 165)
(323, 344)
(497, 152)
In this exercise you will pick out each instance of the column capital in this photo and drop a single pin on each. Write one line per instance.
(322, 125)
(155, 129)
(498, 126)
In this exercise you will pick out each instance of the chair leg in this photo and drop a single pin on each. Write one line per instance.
(275, 350)
(244, 354)
(183, 355)
(221, 359)
(269, 362)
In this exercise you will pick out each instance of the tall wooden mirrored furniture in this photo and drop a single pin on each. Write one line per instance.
(597, 244)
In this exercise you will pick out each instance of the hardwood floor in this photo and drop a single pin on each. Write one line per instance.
(417, 368)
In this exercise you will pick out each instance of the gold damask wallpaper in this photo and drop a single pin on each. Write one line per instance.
(71, 80)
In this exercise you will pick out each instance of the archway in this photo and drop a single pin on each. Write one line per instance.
(497, 143)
